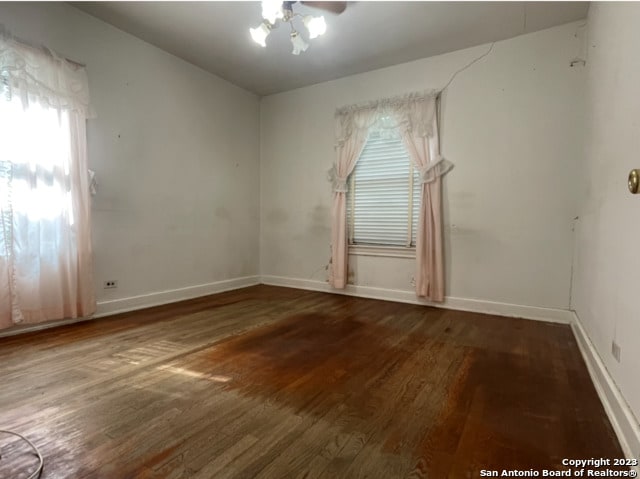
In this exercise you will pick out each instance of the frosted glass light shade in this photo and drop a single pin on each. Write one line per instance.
(272, 11)
(316, 25)
(299, 45)
(260, 34)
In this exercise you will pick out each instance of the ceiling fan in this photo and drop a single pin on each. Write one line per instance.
(275, 12)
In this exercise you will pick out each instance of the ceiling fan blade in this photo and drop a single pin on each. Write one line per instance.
(333, 7)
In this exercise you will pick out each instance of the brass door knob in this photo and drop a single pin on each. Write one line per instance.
(634, 181)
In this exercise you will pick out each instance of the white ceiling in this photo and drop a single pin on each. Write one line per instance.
(367, 36)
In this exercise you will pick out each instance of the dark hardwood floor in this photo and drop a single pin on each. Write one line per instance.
(272, 382)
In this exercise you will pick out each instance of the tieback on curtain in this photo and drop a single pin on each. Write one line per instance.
(339, 184)
(441, 166)
(429, 174)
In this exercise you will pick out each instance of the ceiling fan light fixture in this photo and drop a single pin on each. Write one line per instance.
(299, 45)
(275, 13)
(316, 25)
(260, 33)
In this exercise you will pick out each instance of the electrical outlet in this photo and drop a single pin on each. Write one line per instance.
(110, 284)
(615, 350)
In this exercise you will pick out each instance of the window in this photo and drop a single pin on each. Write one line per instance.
(384, 195)
(35, 176)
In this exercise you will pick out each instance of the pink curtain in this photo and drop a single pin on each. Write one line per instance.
(45, 240)
(352, 128)
(422, 145)
(414, 118)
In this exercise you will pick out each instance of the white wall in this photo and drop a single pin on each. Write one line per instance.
(176, 151)
(607, 261)
(513, 127)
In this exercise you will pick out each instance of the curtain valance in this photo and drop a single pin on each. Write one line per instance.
(414, 115)
(41, 76)
(390, 117)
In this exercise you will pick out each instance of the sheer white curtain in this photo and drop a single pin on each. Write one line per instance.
(351, 132)
(45, 242)
(419, 132)
(413, 118)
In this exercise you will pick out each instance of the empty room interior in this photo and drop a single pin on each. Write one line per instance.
(319, 239)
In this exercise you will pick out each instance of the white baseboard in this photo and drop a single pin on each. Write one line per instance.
(461, 304)
(131, 303)
(30, 328)
(622, 418)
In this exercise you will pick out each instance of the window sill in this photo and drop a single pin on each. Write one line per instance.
(388, 251)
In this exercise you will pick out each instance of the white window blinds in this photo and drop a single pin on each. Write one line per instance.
(384, 195)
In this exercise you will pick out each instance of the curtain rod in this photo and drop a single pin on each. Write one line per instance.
(388, 101)
(4, 31)
(54, 55)
(73, 62)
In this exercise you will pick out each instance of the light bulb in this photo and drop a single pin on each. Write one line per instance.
(260, 34)
(315, 25)
(272, 11)
(299, 45)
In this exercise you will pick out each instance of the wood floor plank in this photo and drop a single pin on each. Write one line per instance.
(269, 382)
